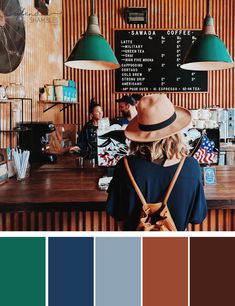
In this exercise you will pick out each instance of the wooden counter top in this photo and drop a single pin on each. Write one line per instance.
(63, 183)
(54, 186)
(222, 195)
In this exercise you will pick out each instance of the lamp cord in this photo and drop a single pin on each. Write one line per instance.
(208, 7)
(92, 7)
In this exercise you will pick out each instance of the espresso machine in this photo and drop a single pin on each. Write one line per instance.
(222, 119)
(35, 136)
(231, 123)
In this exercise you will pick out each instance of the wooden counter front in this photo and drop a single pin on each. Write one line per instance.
(62, 197)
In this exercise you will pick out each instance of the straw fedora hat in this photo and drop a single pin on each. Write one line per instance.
(157, 118)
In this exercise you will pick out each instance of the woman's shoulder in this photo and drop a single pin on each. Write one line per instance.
(192, 167)
(191, 161)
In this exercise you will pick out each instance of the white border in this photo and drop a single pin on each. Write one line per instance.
(94, 271)
(141, 272)
(188, 271)
(47, 272)
(94, 235)
(91, 234)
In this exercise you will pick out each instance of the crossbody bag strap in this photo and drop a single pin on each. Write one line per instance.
(139, 193)
(172, 184)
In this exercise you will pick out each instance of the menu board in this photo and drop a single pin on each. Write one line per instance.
(150, 61)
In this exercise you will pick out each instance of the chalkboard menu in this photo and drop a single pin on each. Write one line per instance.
(150, 61)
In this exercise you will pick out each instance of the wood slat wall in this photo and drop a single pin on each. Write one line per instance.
(162, 14)
(42, 62)
(75, 220)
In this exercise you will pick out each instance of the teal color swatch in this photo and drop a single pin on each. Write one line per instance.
(22, 271)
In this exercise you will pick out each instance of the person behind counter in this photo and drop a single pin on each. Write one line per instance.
(87, 139)
(156, 149)
(137, 97)
(127, 109)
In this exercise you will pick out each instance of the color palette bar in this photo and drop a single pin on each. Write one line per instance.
(22, 271)
(104, 271)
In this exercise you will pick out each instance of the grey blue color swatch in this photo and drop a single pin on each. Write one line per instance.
(118, 271)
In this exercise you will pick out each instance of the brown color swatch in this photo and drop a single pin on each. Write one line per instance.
(212, 271)
(165, 271)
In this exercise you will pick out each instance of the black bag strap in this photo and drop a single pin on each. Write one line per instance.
(136, 187)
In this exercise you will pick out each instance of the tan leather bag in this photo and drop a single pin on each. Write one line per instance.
(162, 220)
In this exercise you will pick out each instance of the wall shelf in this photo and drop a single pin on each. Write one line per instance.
(15, 130)
(12, 100)
(54, 103)
(10, 129)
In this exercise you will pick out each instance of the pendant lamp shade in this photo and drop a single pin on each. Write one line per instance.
(208, 52)
(92, 51)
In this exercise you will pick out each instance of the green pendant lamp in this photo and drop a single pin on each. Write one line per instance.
(92, 51)
(208, 52)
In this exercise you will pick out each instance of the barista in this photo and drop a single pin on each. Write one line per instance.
(137, 97)
(87, 138)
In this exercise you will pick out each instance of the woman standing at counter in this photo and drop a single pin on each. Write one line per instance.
(87, 139)
(155, 153)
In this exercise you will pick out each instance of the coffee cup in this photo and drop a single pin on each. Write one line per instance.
(200, 124)
(204, 114)
(194, 113)
(214, 115)
(79, 162)
(190, 126)
(211, 124)
(92, 162)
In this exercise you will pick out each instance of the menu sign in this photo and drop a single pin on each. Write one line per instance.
(150, 61)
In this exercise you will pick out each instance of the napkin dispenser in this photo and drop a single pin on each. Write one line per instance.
(3, 166)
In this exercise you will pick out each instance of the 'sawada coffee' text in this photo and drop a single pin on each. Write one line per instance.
(154, 33)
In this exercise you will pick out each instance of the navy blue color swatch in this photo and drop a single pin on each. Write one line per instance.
(71, 271)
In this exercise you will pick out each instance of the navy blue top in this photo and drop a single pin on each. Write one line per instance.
(186, 203)
(121, 121)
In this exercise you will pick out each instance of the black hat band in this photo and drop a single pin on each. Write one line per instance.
(157, 126)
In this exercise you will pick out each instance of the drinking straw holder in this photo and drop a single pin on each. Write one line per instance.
(21, 159)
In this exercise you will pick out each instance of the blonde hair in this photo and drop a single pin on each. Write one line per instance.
(172, 146)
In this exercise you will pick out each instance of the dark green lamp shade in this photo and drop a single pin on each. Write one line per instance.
(208, 52)
(92, 52)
